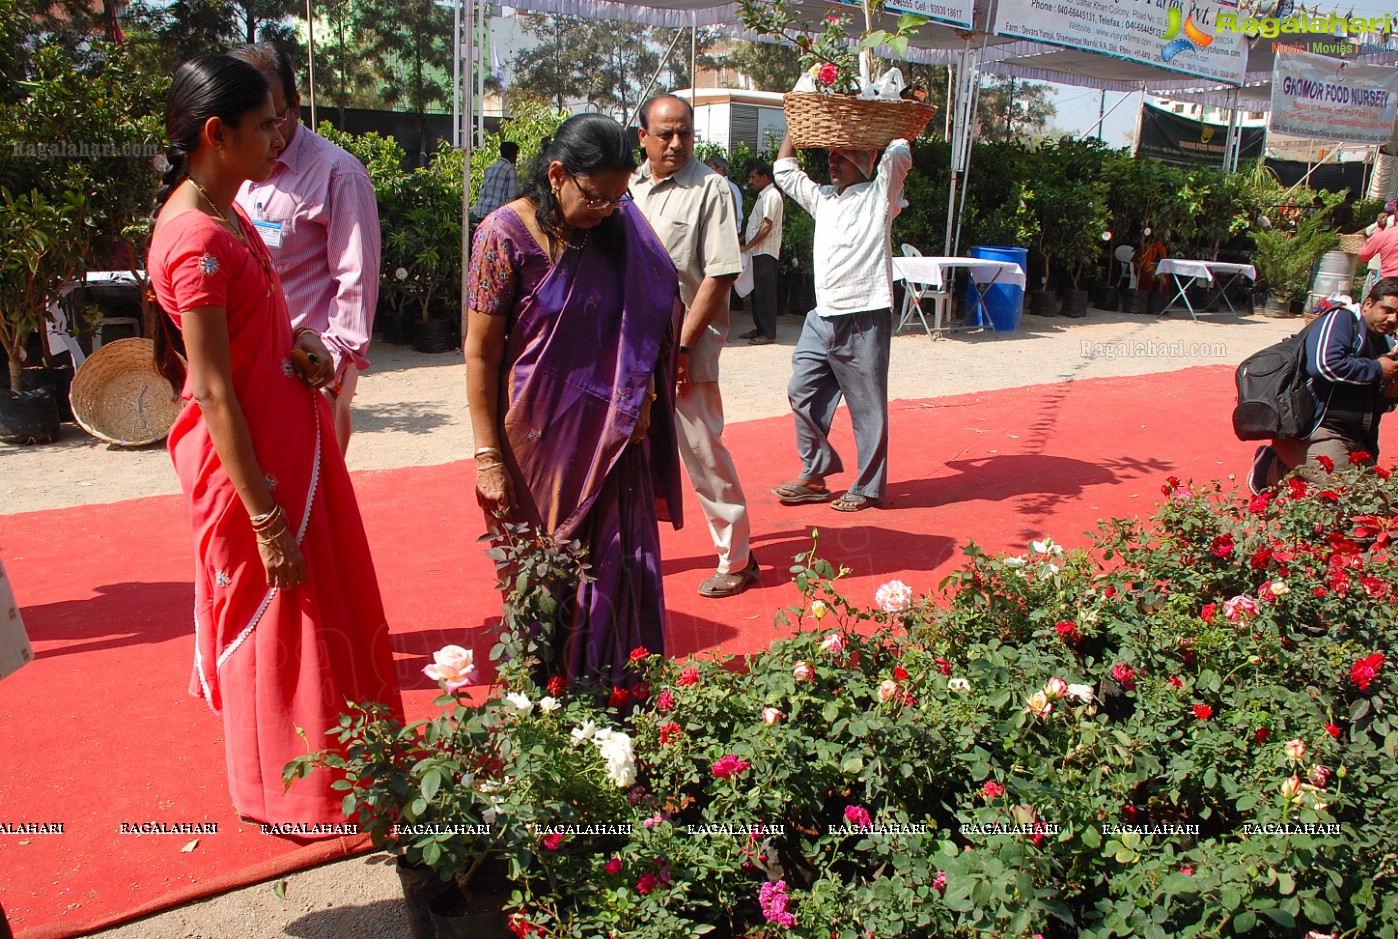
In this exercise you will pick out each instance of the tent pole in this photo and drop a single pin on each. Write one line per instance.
(972, 115)
(1108, 113)
(480, 70)
(693, 65)
(957, 129)
(630, 113)
(311, 61)
(455, 74)
(1140, 114)
(470, 28)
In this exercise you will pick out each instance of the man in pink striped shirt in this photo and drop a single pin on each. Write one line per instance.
(318, 217)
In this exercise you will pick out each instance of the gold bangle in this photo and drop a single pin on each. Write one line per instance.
(495, 464)
(489, 451)
(272, 536)
(303, 329)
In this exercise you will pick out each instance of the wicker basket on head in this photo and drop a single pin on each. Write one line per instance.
(817, 120)
(1352, 244)
(119, 397)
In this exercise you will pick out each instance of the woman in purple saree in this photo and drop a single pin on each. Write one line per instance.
(570, 382)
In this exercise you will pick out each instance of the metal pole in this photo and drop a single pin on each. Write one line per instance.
(1101, 115)
(469, 26)
(693, 65)
(481, 48)
(468, 88)
(456, 74)
(311, 61)
(1097, 127)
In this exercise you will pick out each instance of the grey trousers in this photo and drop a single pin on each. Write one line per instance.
(843, 357)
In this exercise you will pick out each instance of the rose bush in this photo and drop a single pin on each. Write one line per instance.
(1183, 729)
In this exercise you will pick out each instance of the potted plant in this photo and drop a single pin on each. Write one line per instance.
(1283, 260)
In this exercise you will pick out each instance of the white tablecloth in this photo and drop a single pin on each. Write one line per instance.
(1204, 270)
(933, 271)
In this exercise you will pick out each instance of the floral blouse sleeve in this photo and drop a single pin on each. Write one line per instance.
(496, 261)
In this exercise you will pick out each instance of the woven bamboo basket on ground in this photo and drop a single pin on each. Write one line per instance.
(817, 120)
(119, 397)
(1352, 244)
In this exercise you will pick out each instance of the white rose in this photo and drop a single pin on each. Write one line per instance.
(887, 689)
(1081, 693)
(520, 703)
(586, 732)
(549, 704)
(958, 685)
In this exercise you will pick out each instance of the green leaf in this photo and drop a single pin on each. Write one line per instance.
(431, 783)
(279, 888)
(1318, 911)
(898, 45)
(911, 21)
(853, 763)
(1092, 836)
(1244, 922)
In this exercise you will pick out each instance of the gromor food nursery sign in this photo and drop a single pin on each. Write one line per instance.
(1330, 99)
(1183, 39)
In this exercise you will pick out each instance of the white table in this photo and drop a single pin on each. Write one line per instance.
(933, 272)
(1203, 271)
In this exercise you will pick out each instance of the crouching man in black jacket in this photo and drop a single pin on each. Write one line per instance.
(1351, 364)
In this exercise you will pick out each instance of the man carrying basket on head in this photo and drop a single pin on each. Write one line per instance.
(844, 346)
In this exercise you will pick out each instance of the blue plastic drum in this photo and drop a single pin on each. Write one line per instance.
(1004, 302)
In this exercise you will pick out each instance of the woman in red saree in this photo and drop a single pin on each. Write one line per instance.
(288, 621)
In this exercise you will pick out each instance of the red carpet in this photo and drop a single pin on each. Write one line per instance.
(99, 729)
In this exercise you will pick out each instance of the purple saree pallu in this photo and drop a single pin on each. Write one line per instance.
(578, 363)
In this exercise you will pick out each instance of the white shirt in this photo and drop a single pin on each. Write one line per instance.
(769, 205)
(853, 250)
(737, 202)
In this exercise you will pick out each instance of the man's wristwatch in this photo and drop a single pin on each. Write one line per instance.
(685, 350)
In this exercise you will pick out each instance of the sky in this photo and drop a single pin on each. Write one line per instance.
(1078, 107)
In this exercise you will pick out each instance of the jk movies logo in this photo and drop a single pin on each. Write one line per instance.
(1193, 38)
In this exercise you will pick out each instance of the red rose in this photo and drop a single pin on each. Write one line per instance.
(1203, 712)
(1261, 734)
(992, 789)
(639, 653)
(1171, 484)
(689, 676)
(900, 673)
(557, 685)
(728, 766)
(1109, 592)
(944, 667)
(1360, 457)
(620, 697)
(1333, 731)
(1297, 488)
(667, 731)
(828, 73)
(646, 883)
(1259, 504)
(1366, 670)
(1260, 558)
(1326, 462)
(551, 842)
(1222, 546)
(1067, 631)
(1206, 613)
(1125, 676)
(1176, 681)
(1382, 472)
(666, 702)
(613, 866)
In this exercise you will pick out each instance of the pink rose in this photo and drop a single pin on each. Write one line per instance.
(1239, 607)
(1055, 688)
(770, 716)
(613, 866)
(939, 883)
(665, 702)
(826, 76)
(1320, 775)
(1125, 676)
(802, 671)
(992, 789)
(858, 817)
(1296, 749)
(894, 596)
(1039, 705)
(454, 665)
(834, 643)
(887, 689)
(729, 766)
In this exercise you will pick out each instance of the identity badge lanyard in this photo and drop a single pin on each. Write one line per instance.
(270, 231)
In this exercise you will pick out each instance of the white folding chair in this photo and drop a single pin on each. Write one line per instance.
(913, 295)
(1125, 254)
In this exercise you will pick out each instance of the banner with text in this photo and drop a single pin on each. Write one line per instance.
(1146, 31)
(1328, 99)
(1174, 138)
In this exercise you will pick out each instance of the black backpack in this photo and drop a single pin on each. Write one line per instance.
(1274, 392)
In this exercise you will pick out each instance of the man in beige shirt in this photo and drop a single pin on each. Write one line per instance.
(691, 209)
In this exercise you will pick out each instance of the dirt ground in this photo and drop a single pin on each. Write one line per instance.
(411, 411)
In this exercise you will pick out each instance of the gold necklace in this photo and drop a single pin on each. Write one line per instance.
(237, 233)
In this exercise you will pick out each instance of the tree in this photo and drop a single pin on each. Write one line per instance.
(410, 46)
(768, 66)
(1013, 109)
(553, 70)
(345, 74)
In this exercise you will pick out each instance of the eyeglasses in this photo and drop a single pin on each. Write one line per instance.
(599, 204)
(287, 114)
